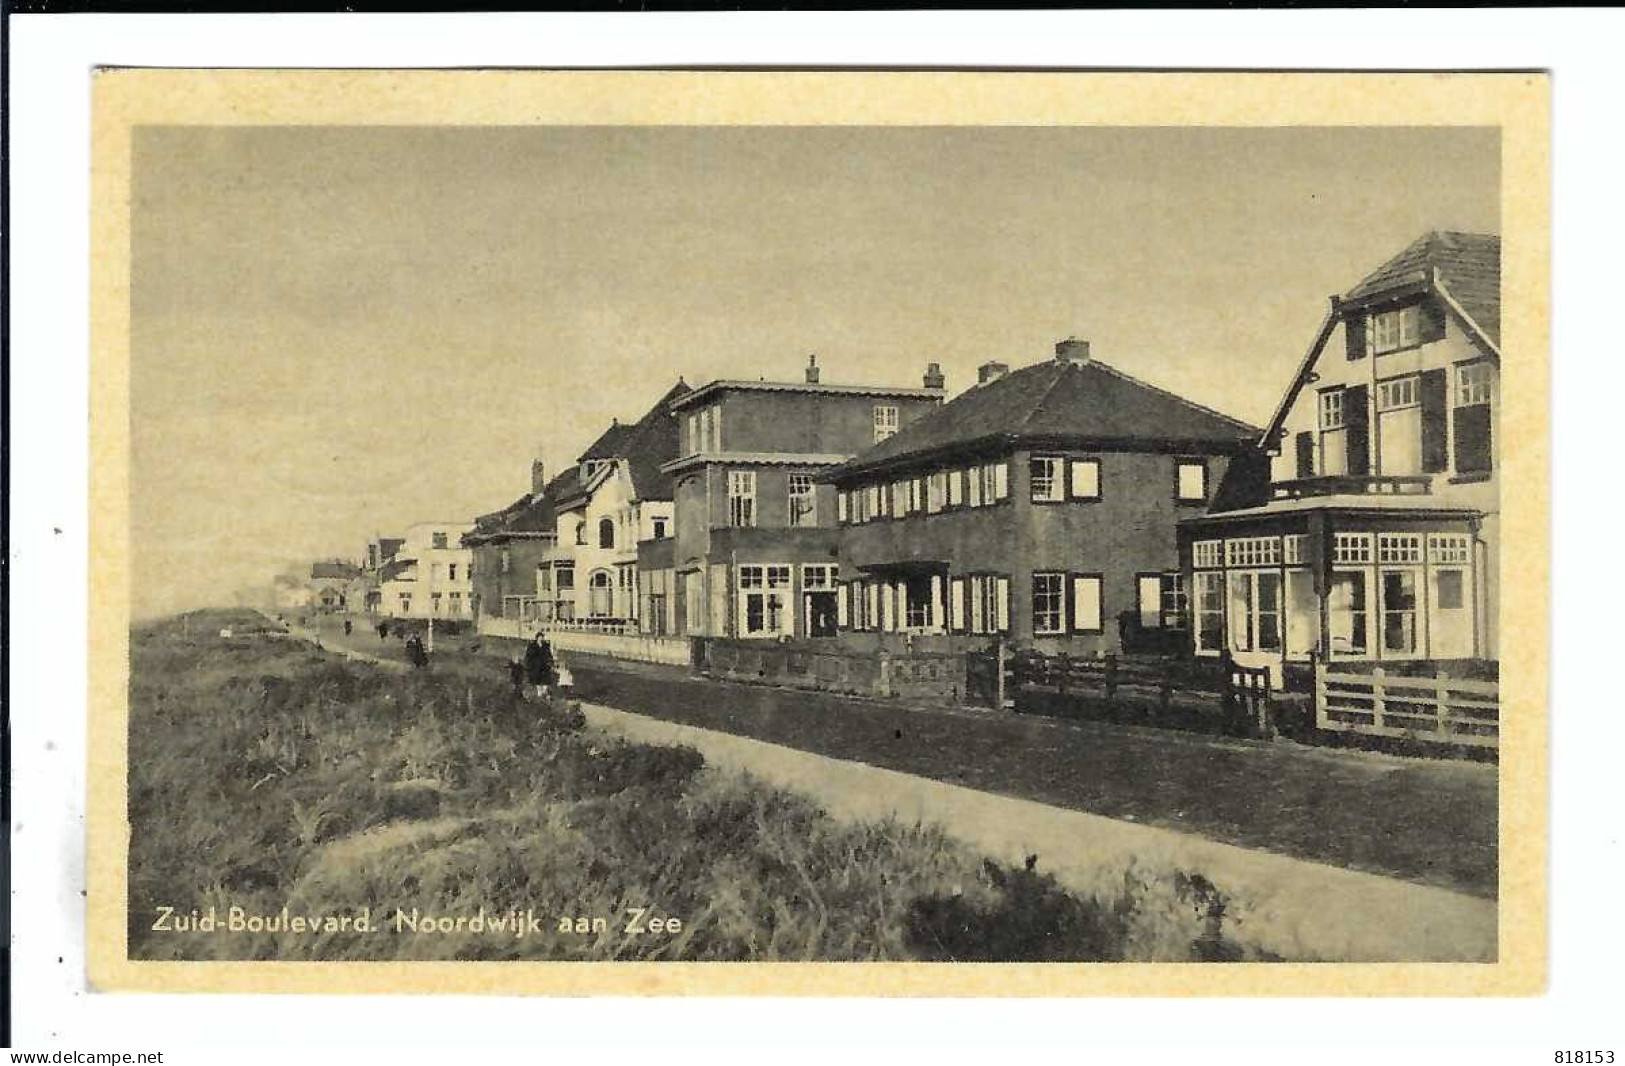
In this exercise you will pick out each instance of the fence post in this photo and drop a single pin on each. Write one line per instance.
(1377, 674)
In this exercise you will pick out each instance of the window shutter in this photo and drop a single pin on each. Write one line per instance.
(842, 611)
(1001, 480)
(1435, 402)
(871, 593)
(1305, 444)
(840, 506)
(956, 605)
(1086, 604)
(1150, 601)
(1357, 420)
(1473, 444)
(1430, 323)
(1354, 330)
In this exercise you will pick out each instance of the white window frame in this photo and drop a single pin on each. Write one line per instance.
(741, 498)
(772, 583)
(802, 487)
(1474, 384)
(1051, 622)
(956, 488)
(1352, 549)
(1395, 330)
(1207, 554)
(885, 416)
(1398, 394)
(1055, 478)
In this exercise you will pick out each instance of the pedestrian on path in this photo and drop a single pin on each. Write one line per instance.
(347, 627)
(415, 653)
(539, 665)
(383, 630)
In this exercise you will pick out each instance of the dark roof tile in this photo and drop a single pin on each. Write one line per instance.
(1469, 264)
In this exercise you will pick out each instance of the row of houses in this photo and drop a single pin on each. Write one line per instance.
(1063, 505)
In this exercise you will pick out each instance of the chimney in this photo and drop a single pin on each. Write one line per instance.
(812, 369)
(988, 373)
(538, 479)
(1072, 350)
(933, 376)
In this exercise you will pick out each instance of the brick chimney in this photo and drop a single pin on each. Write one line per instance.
(991, 372)
(812, 369)
(1072, 350)
(538, 477)
(933, 376)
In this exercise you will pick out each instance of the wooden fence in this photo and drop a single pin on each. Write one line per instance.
(1203, 694)
(1445, 710)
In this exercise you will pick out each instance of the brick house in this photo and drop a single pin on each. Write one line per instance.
(510, 545)
(753, 551)
(619, 496)
(1041, 505)
(1377, 537)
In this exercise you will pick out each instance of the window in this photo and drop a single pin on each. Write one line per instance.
(660, 529)
(820, 603)
(741, 497)
(694, 443)
(1333, 432)
(1399, 425)
(1210, 611)
(973, 486)
(1392, 330)
(803, 502)
(566, 574)
(439, 540)
(506, 561)
(434, 603)
(1085, 479)
(1163, 604)
(456, 602)
(989, 603)
(1192, 481)
(916, 494)
(451, 571)
(544, 578)
(716, 428)
(600, 594)
(885, 421)
(1399, 611)
(1208, 553)
(1255, 611)
(899, 498)
(1294, 549)
(843, 507)
(958, 616)
(1449, 548)
(1049, 603)
(764, 600)
(1351, 548)
(1397, 393)
(406, 602)
(1346, 602)
(1253, 551)
(1048, 482)
(1472, 384)
(956, 489)
(995, 482)
(1399, 548)
(1086, 609)
(1449, 589)
(606, 533)
(936, 492)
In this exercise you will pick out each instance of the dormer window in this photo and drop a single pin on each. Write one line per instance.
(885, 421)
(439, 540)
(1393, 330)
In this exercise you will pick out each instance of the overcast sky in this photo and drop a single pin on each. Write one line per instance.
(337, 332)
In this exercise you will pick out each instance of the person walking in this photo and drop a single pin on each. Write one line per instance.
(347, 627)
(383, 630)
(539, 670)
(415, 653)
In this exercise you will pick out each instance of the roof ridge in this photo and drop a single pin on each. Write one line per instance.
(1049, 390)
(1238, 423)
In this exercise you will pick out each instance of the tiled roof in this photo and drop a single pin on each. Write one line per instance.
(646, 445)
(1469, 264)
(1056, 400)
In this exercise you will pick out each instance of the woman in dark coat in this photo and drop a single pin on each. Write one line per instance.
(415, 652)
(539, 665)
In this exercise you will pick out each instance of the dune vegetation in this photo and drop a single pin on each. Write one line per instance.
(287, 804)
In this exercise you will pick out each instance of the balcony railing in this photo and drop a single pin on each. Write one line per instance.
(1354, 485)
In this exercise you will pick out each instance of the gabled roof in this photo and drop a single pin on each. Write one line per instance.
(533, 514)
(1056, 401)
(646, 445)
(1469, 265)
(1465, 268)
(343, 571)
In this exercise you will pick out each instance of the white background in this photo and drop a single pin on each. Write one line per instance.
(51, 59)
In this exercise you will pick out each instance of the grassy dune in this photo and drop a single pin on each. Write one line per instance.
(265, 774)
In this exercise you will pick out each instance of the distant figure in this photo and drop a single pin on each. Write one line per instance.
(539, 665)
(516, 676)
(383, 630)
(346, 627)
(415, 653)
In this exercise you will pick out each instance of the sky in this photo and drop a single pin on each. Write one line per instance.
(337, 332)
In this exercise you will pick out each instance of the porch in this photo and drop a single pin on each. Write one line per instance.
(1387, 576)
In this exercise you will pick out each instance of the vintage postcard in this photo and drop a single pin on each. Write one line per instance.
(718, 533)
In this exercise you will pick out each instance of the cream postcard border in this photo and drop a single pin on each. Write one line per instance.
(1519, 104)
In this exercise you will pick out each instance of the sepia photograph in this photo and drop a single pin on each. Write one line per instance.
(646, 537)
